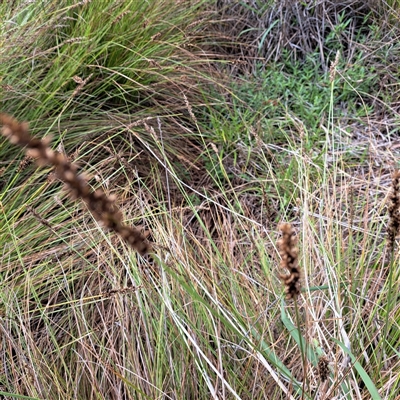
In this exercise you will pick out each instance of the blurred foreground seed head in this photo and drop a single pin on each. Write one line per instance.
(103, 207)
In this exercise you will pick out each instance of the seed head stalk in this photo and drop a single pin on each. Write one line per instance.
(289, 253)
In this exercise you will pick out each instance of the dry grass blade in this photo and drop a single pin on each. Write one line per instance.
(102, 206)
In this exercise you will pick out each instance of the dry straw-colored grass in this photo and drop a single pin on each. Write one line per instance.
(251, 33)
(110, 334)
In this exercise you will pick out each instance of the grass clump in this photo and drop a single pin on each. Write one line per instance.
(208, 165)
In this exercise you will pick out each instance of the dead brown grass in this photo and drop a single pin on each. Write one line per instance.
(259, 32)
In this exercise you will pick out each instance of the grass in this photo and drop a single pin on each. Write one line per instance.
(206, 160)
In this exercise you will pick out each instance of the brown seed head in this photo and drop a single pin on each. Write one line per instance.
(323, 368)
(394, 210)
(288, 251)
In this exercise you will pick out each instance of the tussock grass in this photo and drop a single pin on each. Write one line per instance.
(207, 168)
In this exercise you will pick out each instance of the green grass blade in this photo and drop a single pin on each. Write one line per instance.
(361, 371)
(19, 396)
